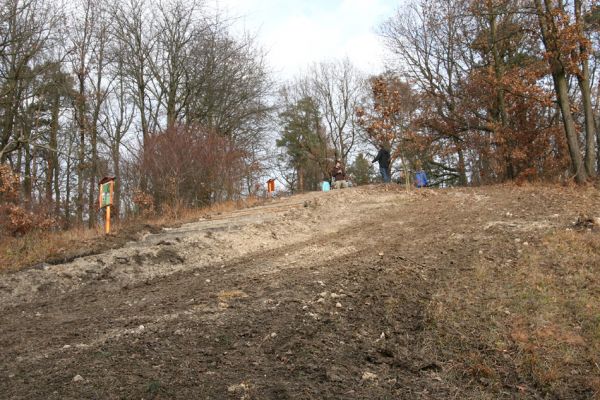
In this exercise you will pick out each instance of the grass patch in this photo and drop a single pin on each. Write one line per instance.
(530, 326)
(35, 247)
(153, 388)
(560, 319)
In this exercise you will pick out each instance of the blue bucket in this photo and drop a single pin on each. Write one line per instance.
(325, 186)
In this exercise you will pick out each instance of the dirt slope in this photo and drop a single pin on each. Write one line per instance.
(350, 294)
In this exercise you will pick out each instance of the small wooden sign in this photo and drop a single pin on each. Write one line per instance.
(270, 186)
(105, 200)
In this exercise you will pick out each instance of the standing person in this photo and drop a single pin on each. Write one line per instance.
(339, 175)
(383, 157)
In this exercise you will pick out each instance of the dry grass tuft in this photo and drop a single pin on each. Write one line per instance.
(226, 295)
(35, 247)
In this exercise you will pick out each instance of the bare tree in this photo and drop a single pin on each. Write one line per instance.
(134, 31)
(427, 38)
(25, 29)
(88, 36)
(583, 78)
(338, 87)
(178, 26)
(117, 116)
(230, 85)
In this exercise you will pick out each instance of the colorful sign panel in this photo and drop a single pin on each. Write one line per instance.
(106, 193)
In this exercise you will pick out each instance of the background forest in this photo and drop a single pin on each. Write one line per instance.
(184, 111)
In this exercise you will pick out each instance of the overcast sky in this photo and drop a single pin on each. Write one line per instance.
(298, 33)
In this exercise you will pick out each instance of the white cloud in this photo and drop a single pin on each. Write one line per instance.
(297, 34)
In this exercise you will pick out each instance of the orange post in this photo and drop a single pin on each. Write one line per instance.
(107, 225)
(271, 186)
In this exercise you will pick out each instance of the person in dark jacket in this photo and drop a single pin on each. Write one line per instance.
(339, 175)
(383, 157)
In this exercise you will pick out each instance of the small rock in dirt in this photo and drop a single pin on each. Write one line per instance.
(37, 314)
(313, 315)
(321, 300)
(77, 378)
(323, 294)
(141, 328)
(66, 346)
(41, 266)
(207, 281)
(321, 283)
(11, 375)
(334, 295)
(242, 387)
(274, 334)
(338, 305)
(333, 375)
(305, 307)
(369, 376)
(381, 254)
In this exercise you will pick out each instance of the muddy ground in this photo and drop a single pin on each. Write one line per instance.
(318, 296)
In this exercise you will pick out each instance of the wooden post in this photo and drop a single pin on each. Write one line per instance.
(107, 225)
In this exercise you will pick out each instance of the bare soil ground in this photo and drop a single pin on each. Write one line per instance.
(369, 292)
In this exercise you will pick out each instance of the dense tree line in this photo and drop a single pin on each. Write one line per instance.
(483, 92)
(505, 87)
(105, 87)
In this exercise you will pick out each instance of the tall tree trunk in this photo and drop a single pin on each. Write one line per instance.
(54, 153)
(27, 189)
(80, 175)
(93, 173)
(81, 118)
(49, 175)
(462, 170)
(559, 76)
(597, 150)
(586, 96)
(562, 92)
(501, 113)
(68, 192)
(117, 185)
